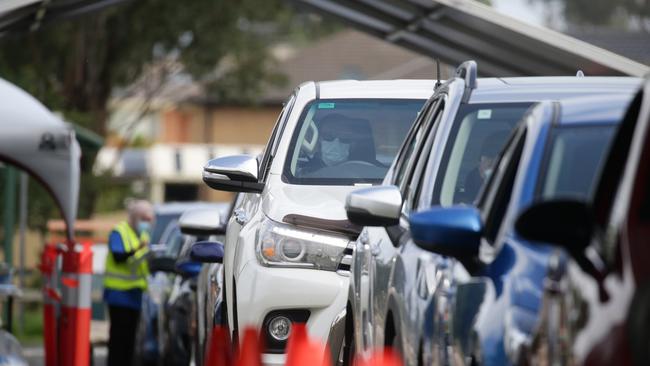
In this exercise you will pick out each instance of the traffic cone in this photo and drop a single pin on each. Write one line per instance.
(250, 350)
(74, 323)
(302, 351)
(51, 303)
(219, 348)
(387, 357)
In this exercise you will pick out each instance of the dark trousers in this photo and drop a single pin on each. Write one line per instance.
(121, 342)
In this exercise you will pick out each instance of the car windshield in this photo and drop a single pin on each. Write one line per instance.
(575, 157)
(160, 224)
(348, 141)
(479, 133)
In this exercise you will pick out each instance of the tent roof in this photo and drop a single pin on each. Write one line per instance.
(458, 30)
(18, 16)
(35, 140)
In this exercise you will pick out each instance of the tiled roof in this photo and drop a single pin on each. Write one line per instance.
(633, 45)
(351, 54)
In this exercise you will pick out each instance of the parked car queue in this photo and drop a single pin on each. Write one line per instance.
(378, 225)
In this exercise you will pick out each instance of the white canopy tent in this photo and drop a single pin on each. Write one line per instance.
(34, 139)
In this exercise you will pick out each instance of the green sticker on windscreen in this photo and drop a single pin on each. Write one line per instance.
(325, 105)
(484, 114)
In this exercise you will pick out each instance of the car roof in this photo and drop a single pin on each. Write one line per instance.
(594, 109)
(531, 89)
(371, 89)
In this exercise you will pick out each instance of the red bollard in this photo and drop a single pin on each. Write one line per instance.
(51, 300)
(76, 281)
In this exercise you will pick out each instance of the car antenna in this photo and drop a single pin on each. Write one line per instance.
(438, 83)
(580, 74)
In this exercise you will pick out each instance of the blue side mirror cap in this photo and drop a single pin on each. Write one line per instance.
(189, 268)
(455, 231)
(207, 252)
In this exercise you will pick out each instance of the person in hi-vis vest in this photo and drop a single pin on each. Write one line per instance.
(125, 278)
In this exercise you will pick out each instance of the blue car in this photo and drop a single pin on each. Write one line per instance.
(488, 292)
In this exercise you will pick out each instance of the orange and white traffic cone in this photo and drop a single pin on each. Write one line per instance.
(51, 300)
(76, 281)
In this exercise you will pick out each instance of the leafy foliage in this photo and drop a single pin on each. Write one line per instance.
(617, 13)
(74, 66)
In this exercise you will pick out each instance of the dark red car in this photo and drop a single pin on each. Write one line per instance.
(596, 307)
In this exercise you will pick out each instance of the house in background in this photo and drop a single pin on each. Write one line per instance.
(183, 128)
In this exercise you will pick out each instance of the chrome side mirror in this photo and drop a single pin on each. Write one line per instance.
(235, 173)
(375, 206)
(202, 222)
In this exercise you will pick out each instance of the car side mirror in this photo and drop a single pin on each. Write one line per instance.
(202, 222)
(455, 231)
(235, 173)
(162, 264)
(566, 223)
(207, 252)
(374, 206)
(188, 268)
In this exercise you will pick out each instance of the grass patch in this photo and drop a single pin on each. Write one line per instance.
(32, 332)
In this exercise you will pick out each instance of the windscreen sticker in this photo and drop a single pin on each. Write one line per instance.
(484, 114)
(325, 105)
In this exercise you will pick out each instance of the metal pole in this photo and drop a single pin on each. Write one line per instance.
(22, 220)
(9, 201)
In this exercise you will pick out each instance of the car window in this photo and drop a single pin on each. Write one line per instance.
(348, 141)
(161, 222)
(477, 136)
(173, 240)
(271, 146)
(411, 162)
(411, 140)
(415, 185)
(615, 164)
(573, 159)
(495, 196)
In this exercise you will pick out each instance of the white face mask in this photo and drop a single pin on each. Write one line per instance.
(334, 152)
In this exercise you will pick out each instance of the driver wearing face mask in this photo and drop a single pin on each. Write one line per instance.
(336, 139)
(474, 180)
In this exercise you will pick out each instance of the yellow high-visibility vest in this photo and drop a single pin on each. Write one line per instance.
(132, 273)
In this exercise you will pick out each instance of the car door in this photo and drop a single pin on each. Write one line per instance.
(608, 297)
(368, 244)
(384, 243)
(413, 268)
(476, 283)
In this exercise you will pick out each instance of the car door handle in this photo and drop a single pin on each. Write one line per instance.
(240, 216)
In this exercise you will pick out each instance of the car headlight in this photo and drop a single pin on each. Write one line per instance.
(281, 245)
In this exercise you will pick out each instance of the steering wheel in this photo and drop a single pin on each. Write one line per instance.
(362, 162)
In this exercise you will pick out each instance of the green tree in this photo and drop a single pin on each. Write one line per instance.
(617, 13)
(74, 66)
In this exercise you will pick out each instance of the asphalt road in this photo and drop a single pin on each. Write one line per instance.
(35, 356)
